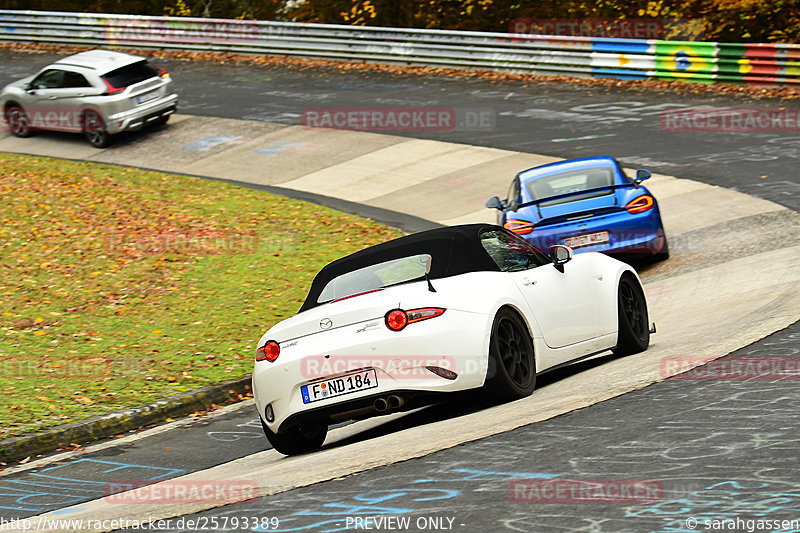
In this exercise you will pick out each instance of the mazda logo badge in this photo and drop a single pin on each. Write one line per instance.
(326, 323)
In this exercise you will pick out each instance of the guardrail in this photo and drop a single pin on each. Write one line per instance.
(707, 62)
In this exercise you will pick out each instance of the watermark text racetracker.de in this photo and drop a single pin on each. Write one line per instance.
(585, 490)
(53, 118)
(730, 368)
(399, 118)
(730, 119)
(399, 366)
(190, 242)
(56, 368)
(176, 491)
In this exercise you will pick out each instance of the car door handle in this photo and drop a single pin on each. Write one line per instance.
(528, 281)
(51, 98)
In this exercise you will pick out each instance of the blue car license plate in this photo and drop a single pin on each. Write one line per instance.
(339, 386)
(587, 239)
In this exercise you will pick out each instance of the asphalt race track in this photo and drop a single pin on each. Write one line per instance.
(711, 449)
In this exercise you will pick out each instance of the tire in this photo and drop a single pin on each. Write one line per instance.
(512, 366)
(95, 130)
(297, 439)
(162, 121)
(18, 121)
(663, 254)
(633, 333)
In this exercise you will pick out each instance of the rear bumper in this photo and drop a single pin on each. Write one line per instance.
(629, 234)
(139, 117)
(456, 341)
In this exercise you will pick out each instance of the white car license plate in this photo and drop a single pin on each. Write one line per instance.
(333, 387)
(586, 240)
(146, 97)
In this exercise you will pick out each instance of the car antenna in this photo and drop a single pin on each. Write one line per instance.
(430, 285)
(427, 271)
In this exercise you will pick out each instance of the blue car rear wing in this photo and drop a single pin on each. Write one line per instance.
(576, 193)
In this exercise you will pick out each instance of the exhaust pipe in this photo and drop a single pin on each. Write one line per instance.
(381, 405)
(395, 402)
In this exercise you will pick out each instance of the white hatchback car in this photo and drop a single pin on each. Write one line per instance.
(98, 93)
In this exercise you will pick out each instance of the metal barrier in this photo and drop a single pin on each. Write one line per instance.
(550, 55)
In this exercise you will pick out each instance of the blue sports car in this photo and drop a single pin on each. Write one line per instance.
(588, 204)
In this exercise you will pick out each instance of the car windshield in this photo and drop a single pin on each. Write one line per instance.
(376, 277)
(130, 74)
(571, 182)
(511, 252)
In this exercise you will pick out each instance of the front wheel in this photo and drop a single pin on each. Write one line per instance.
(512, 367)
(95, 130)
(298, 439)
(633, 329)
(18, 122)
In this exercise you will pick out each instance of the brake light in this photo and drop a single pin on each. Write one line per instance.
(111, 88)
(161, 72)
(354, 295)
(520, 227)
(641, 204)
(269, 352)
(397, 319)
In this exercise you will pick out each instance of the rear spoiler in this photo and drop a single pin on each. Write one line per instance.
(576, 193)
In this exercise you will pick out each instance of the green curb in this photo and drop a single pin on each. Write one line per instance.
(110, 424)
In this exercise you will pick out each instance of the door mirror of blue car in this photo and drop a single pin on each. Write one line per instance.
(494, 203)
(642, 174)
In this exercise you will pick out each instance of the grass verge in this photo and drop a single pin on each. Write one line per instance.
(121, 286)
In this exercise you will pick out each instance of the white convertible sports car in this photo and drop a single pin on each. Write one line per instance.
(397, 325)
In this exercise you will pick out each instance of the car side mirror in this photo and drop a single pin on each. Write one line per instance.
(494, 203)
(560, 255)
(642, 174)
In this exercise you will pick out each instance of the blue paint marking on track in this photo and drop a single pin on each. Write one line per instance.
(57, 486)
(278, 148)
(206, 143)
(374, 502)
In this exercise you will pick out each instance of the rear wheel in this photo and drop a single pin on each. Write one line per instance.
(633, 335)
(18, 122)
(512, 367)
(95, 130)
(662, 254)
(297, 439)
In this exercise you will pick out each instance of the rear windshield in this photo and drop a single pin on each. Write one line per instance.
(570, 182)
(376, 277)
(130, 74)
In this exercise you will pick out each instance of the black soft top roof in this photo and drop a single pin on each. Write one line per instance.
(454, 250)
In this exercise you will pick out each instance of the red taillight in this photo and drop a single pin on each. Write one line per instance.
(161, 72)
(268, 352)
(397, 319)
(643, 203)
(520, 227)
(111, 88)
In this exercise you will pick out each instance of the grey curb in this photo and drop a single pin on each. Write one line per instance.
(110, 424)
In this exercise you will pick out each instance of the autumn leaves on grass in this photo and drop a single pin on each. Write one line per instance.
(120, 286)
